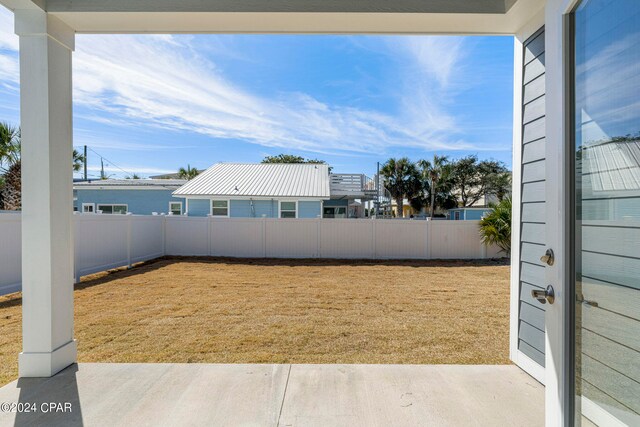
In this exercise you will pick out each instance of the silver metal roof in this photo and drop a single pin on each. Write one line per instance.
(108, 183)
(611, 167)
(260, 180)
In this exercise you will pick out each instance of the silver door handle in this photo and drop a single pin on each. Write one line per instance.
(548, 257)
(544, 295)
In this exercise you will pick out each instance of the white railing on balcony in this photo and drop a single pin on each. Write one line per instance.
(352, 185)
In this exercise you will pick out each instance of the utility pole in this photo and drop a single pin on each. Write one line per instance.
(377, 190)
(85, 162)
(102, 175)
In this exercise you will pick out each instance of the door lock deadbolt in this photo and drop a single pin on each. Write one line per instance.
(544, 295)
(547, 258)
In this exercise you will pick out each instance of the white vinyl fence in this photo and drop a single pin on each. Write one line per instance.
(103, 242)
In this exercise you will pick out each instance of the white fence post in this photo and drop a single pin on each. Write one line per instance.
(319, 243)
(264, 237)
(483, 250)
(76, 249)
(374, 229)
(164, 235)
(129, 221)
(428, 240)
(209, 236)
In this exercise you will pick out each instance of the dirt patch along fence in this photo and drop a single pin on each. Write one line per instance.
(103, 242)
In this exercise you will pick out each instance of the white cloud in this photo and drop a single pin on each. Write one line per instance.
(437, 57)
(159, 81)
(9, 69)
(8, 39)
(155, 80)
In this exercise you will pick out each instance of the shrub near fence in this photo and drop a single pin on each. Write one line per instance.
(103, 242)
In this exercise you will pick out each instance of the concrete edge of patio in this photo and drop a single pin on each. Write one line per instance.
(286, 395)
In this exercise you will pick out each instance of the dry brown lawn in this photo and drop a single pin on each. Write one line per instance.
(285, 311)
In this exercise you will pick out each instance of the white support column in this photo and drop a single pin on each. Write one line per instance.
(47, 195)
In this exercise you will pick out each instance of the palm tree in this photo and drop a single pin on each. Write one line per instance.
(9, 146)
(495, 227)
(401, 179)
(434, 172)
(9, 158)
(78, 161)
(188, 173)
(10, 166)
(11, 192)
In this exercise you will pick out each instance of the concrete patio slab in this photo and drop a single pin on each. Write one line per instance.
(102, 394)
(412, 395)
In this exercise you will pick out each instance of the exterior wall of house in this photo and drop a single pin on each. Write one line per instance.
(468, 214)
(242, 208)
(531, 322)
(309, 209)
(198, 207)
(260, 208)
(139, 202)
(336, 203)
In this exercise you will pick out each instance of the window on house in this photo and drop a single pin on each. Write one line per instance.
(88, 208)
(113, 209)
(175, 208)
(219, 208)
(288, 210)
(456, 215)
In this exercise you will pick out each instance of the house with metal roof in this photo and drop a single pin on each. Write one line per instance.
(121, 196)
(275, 190)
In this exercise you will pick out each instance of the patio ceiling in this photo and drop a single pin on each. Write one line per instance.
(289, 16)
(357, 6)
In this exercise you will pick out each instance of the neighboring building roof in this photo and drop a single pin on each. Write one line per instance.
(301, 180)
(174, 175)
(169, 184)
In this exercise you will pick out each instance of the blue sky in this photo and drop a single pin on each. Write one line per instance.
(153, 103)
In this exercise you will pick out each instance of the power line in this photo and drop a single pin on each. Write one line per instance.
(109, 162)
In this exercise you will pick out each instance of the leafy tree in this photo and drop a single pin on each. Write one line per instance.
(495, 227)
(188, 173)
(134, 176)
(402, 179)
(473, 179)
(284, 158)
(500, 185)
(290, 158)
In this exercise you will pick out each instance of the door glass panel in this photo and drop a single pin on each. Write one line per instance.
(607, 209)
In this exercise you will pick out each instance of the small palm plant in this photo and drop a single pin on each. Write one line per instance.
(495, 227)
(188, 173)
